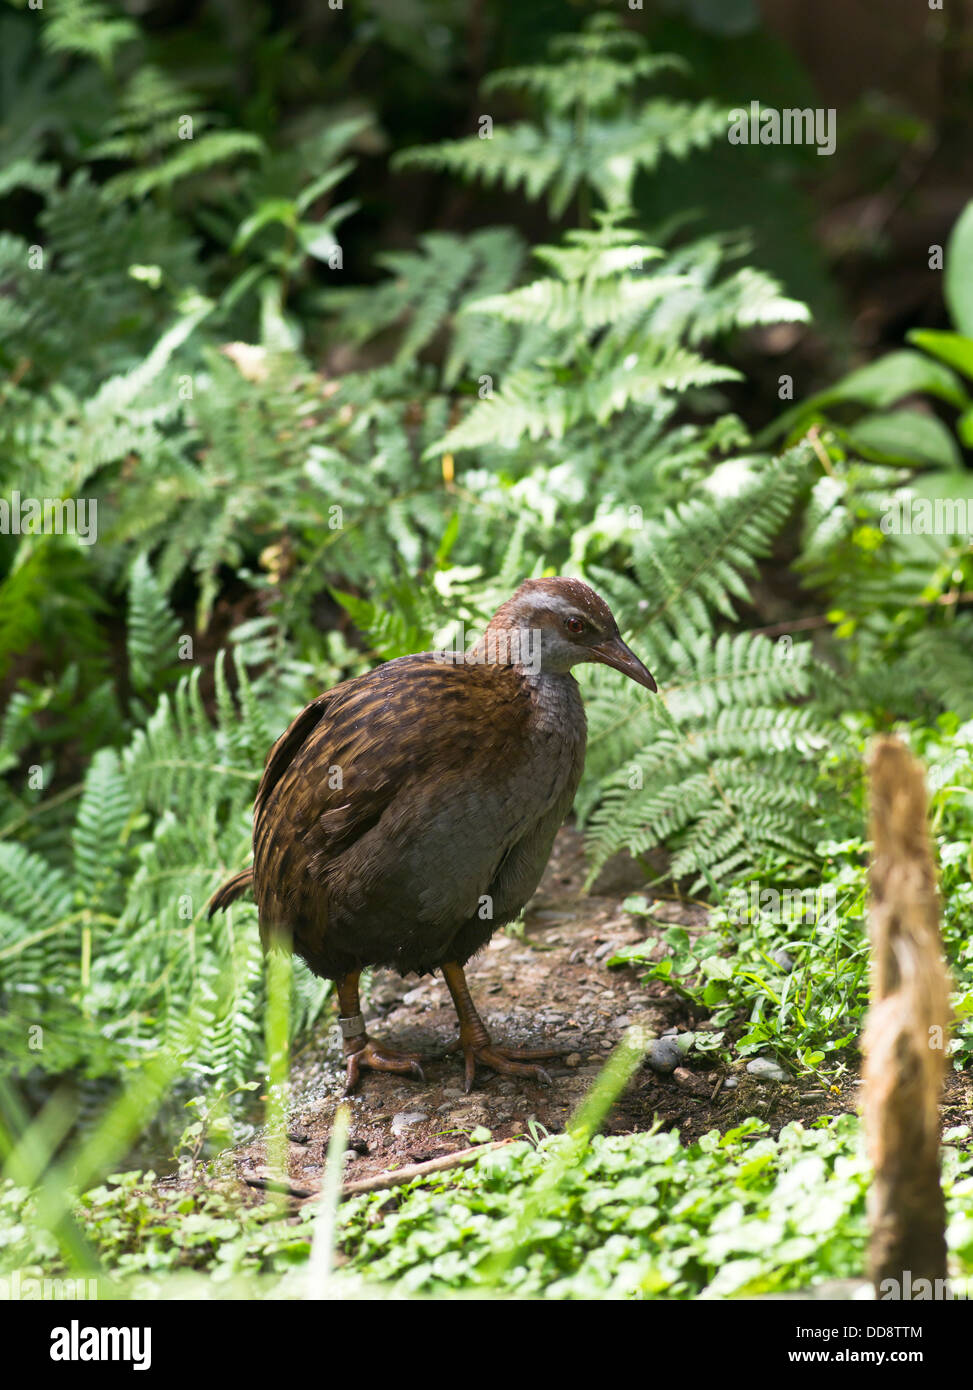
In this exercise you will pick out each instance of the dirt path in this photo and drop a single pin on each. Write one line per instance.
(551, 988)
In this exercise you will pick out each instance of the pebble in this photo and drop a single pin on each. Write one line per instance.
(784, 959)
(573, 1060)
(607, 949)
(664, 1055)
(622, 1021)
(406, 1118)
(731, 1083)
(765, 1069)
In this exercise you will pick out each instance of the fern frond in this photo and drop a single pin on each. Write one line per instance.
(103, 816)
(151, 629)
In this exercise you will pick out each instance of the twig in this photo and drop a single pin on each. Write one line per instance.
(392, 1177)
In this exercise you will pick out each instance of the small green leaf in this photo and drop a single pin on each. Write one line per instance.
(955, 349)
(906, 436)
(958, 280)
(281, 210)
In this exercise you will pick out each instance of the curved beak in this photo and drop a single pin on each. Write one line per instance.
(613, 652)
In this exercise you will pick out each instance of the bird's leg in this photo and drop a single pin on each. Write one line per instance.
(360, 1049)
(476, 1043)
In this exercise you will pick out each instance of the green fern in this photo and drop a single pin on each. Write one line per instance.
(608, 137)
(98, 837)
(427, 289)
(117, 939)
(723, 768)
(614, 313)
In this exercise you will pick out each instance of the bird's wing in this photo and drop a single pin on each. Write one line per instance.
(415, 730)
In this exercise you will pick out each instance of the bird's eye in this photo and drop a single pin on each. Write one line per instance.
(575, 625)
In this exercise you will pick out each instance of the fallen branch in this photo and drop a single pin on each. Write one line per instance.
(392, 1177)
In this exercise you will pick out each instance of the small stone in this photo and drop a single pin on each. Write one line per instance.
(765, 1069)
(731, 1083)
(698, 1085)
(664, 1055)
(607, 949)
(573, 1060)
(784, 959)
(622, 1021)
(406, 1119)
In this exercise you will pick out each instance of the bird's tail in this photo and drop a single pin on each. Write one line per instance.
(232, 889)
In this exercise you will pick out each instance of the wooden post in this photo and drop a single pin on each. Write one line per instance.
(906, 1032)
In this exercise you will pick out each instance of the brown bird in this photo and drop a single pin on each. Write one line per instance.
(407, 814)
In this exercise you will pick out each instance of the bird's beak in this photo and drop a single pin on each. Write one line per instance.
(613, 652)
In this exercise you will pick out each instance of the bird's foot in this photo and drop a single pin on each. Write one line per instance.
(379, 1057)
(509, 1061)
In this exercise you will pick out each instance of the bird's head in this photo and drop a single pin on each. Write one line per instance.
(563, 622)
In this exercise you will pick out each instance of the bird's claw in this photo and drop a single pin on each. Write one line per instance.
(509, 1061)
(512, 1054)
(379, 1058)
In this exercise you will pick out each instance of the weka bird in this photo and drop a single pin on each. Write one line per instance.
(407, 814)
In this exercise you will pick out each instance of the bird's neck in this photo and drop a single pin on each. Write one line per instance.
(524, 648)
(504, 644)
(554, 694)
